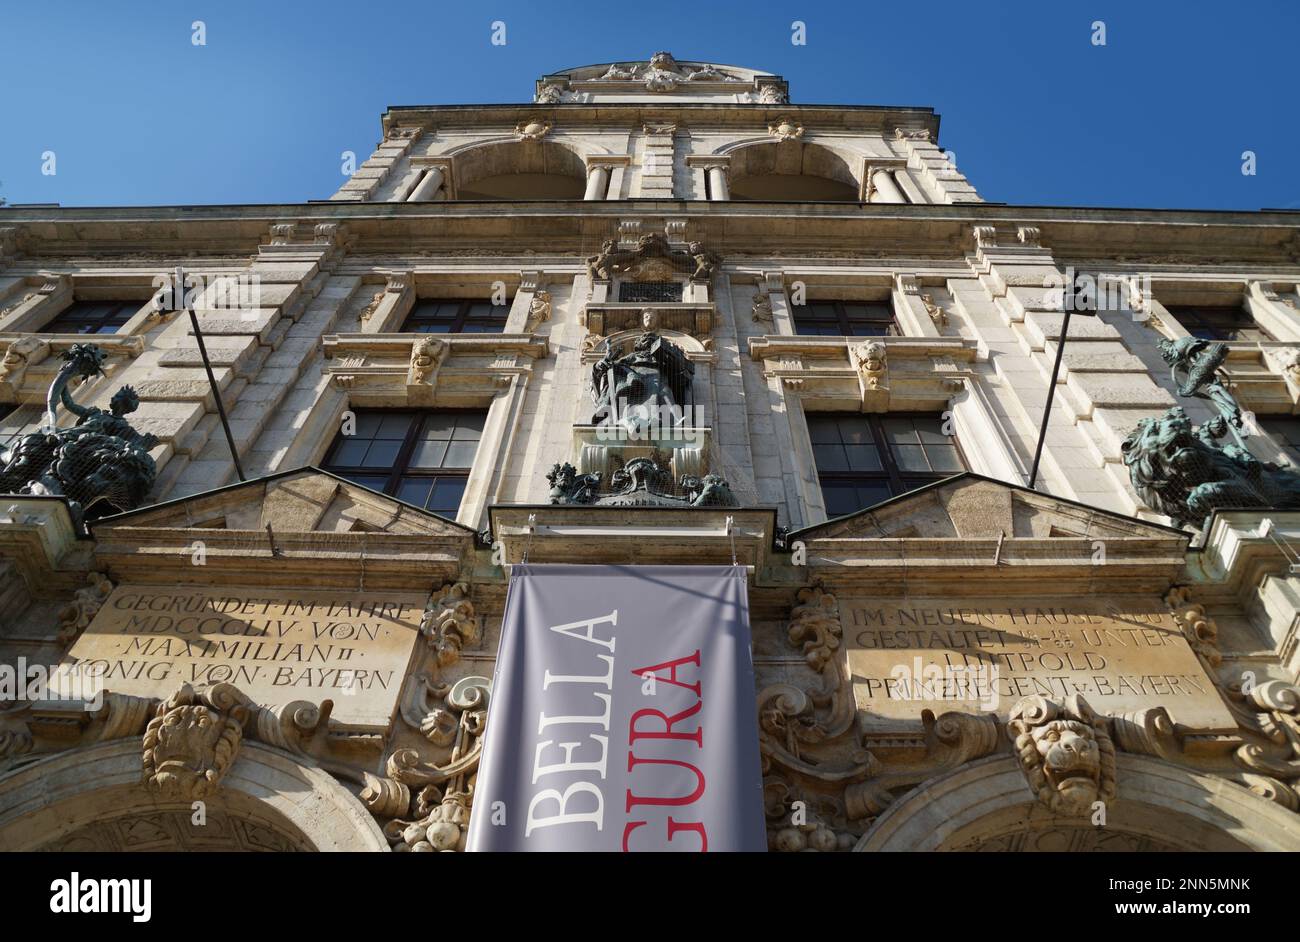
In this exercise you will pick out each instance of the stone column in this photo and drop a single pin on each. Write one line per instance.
(597, 182)
(718, 188)
(884, 189)
(427, 189)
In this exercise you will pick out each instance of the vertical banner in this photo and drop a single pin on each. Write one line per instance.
(622, 715)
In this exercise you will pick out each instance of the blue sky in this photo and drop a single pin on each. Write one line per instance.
(1036, 114)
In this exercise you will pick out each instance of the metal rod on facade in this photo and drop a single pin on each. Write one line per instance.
(212, 380)
(1051, 389)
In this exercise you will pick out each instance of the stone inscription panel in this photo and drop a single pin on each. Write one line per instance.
(274, 645)
(976, 656)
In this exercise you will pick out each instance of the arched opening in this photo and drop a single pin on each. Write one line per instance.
(520, 170)
(93, 799)
(792, 171)
(987, 806)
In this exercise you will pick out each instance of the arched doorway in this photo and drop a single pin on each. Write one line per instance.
(93, 799)
(986, 805)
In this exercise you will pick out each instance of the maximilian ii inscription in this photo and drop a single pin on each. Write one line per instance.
(275, 646)
(983, 656)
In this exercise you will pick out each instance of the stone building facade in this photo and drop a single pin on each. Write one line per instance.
(412, 372)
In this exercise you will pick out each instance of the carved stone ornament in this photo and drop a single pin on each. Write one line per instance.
(427, 803)
(762, 308)
(539, 309)
(912, 134)
(653, 259)
(372, 305)
(449, 623)
(785, 129)
(427, 354)
(552, 93)
(532, 130)
(938, 316)
(18, 356)
(870, 359)
(1285, 360)
(772, 94)
(641, 482)
(85, 605)
(1066, 753)
(192, 741)
(101, 460)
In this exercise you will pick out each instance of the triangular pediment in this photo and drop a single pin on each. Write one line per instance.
(973, 507)
(305, 500)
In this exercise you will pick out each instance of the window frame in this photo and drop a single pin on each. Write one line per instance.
(843, 319)
(1191, 318)
(895, 479)
(457, 323)
(401, 467)
(130, 307)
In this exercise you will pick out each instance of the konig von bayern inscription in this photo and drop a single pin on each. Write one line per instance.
(275, 646)
(983, 656)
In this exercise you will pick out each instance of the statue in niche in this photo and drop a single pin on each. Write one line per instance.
(640, 387)
(100, 459)
(1184, 473)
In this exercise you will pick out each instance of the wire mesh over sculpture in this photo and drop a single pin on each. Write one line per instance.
(1182, 471)
(639, 483)
(101, 464)
(637, 391)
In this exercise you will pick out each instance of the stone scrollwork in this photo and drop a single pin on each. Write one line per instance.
(872, 363)
(449, 623)
(1271, 711)
(539, 310)
(85, 604)
(1066, 753)
(19, 355)
(1197, 627)
(428, 803)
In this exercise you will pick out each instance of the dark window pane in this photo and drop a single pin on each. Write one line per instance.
(666, 291)
(446, 496)
(823, 429)
(1218, 322)
(840, 499)
(349, 452)
(830, 458)
(863, 458)
(382, 454)
(871, 494)
(93, 317)
(372, 481)
(469, 427)
(414, 490)
(394, 426)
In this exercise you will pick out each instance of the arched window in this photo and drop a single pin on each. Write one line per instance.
(523, 170)
(793, 171)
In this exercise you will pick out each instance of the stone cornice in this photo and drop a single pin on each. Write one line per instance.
(836, 230)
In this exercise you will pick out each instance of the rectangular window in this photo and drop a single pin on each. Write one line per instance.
(422, 458)
(865, 459)
(93, 317)
(845, 318)
(456, 316)
(650, 291)
(1218, 322)
(1285, 431)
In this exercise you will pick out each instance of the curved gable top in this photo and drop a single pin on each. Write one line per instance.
(661, 77)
